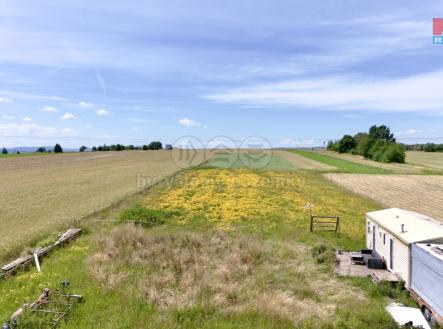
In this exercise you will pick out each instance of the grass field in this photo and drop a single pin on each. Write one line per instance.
(423, 194)
(262, 159)
(394, 168)
(40, 194)
(341, 165)
(237, 253)
(427, 159)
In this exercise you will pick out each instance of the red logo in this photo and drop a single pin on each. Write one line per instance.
(438, 26)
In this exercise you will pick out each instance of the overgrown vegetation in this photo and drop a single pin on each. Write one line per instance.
(190, 272)
(145, 216)
(378, 144)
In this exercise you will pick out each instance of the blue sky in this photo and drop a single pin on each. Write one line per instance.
(291, 71)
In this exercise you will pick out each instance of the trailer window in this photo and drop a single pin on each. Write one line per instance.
(384, 238)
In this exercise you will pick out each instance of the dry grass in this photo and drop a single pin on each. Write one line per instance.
(301, 162)
(397, 168)
(428, 159)
(43, 193)
(234, 273)
(418, 193)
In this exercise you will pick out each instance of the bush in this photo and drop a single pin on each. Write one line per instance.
(323, 254)
(147, 217)
(4, 150)
(394, 153)
(364, 145)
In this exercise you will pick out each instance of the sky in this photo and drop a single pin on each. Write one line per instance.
(292, 72)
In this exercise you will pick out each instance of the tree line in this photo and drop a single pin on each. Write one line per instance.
(156, 145)
(428, 147)
(377, 144)
(57, 149)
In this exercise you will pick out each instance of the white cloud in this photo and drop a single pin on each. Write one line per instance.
(28, 128)
(135, 128)
(5, 100)
(88, 126)
(8, 117)
(85, 105)
(68, 116)
(102, 112)
(48, 109)
(27, 119)
(191, 123)
(289, 142)
(69, 131)
(418, 93)
(413, 131)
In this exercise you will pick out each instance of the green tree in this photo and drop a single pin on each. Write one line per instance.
(364, 145)
(4, 150)
(381, 133)
(82, 148)
(58, 148)
(94, 149)
(41, 149)
(156, 145)
(430, 147)
(346, 144)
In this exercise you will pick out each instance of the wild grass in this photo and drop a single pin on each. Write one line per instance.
(191, 272)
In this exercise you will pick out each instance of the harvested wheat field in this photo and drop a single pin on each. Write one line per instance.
(396, 168)
(428, 159)
(418, 193)
(42, 193)
(301, 162)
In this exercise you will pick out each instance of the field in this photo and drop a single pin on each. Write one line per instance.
(412, 192)
(394, 168)
(236, 252)
(427, 159)
(341, 164)
(40, 194)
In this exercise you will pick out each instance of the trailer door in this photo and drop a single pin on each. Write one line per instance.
(391, 254)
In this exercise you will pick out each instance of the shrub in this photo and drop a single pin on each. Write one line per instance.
(323, 254)
(4, 150)
(147, 217)
(364, 145)
(394, 153)
(41, 149)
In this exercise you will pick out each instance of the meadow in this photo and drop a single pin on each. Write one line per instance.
(234, 250)
(44, 193)
(224, 248)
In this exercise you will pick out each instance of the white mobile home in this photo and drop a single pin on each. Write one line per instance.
(391, 232)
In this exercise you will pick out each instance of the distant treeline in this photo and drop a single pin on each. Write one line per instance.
(119, 147)
(378, 144)
(429, 147)
(56, 149)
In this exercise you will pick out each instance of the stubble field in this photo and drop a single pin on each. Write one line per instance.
(40, 194)
(419, 193)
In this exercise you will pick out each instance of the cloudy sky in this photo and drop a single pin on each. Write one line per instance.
(291, 71)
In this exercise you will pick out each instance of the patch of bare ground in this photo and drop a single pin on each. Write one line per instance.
(423, 194)
(397, 168)
(300, 162)
(230, 272)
